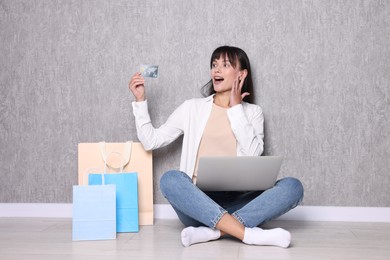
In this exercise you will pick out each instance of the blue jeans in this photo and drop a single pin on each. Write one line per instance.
(197, 208)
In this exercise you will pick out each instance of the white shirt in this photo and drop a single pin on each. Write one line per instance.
(190, 119)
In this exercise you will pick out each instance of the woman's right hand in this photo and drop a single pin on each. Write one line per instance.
(137, 87)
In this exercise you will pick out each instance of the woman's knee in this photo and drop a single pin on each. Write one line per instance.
(170, 179)
(294, 186)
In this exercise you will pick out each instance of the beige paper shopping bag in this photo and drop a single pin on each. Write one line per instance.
(95, 155)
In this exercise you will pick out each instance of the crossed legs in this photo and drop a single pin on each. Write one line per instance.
(195, 209)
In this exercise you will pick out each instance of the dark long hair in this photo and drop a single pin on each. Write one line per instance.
(237, 57)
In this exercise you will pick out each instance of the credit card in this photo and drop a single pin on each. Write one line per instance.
(150, 71)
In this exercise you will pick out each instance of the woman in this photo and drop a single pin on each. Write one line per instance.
(221, 124)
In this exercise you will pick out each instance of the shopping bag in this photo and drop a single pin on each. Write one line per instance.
(126, 198)
(91, 155)
(94, 212)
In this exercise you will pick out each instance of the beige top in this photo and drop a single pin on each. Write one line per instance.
(218, 138)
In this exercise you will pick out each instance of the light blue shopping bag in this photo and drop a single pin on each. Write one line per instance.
(94, 212)
(126, 198)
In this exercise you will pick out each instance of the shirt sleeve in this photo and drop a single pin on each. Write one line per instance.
(151, 137)
(248, 128)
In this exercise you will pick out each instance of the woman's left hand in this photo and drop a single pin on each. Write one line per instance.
(235, 95)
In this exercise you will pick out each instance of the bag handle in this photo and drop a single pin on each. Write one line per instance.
(106, 164)
(126, 154)
(91, 170)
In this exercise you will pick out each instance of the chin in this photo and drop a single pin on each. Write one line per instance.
(217, 89)
(221, 88)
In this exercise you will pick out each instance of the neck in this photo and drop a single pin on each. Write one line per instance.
(222, 99)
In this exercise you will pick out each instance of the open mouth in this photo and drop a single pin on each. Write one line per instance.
(218, 80)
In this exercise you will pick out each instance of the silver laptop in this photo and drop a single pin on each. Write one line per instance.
(238, 173)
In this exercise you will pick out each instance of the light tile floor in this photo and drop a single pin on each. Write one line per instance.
(40, 238)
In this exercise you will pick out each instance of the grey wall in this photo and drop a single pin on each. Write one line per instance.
(321, 70)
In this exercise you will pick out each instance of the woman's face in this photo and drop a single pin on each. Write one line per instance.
(223, 74)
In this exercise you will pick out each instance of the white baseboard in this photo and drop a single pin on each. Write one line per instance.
(165, 211)
(39, 210)
(310, 213)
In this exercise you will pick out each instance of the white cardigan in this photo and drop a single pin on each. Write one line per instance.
(190, 119)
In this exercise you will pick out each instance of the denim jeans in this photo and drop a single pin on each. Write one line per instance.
(197, 208)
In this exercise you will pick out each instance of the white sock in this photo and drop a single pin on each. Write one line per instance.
(193, 235)
(271, 237)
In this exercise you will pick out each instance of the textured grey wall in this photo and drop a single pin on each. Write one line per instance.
(321, 72)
